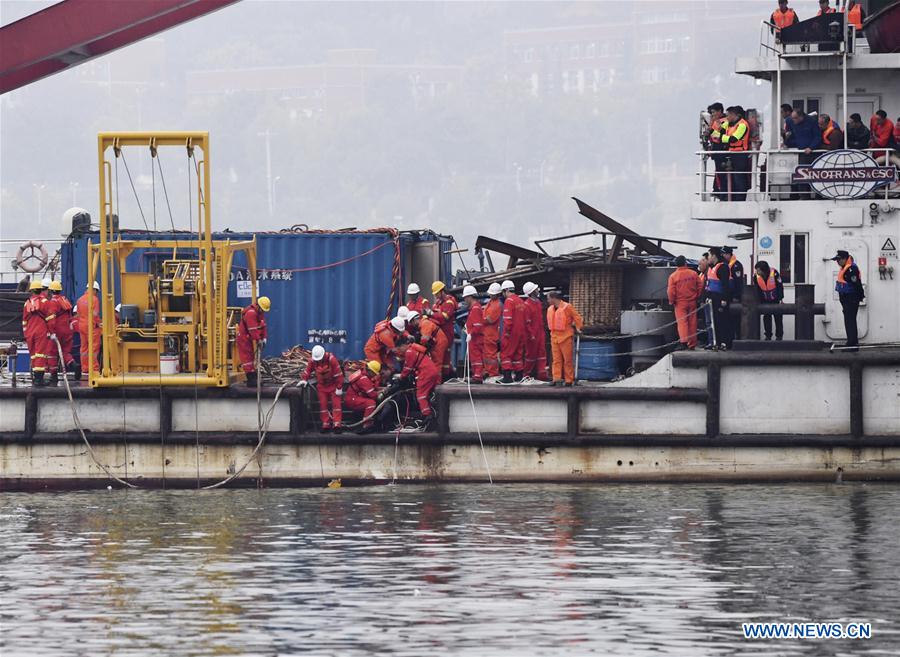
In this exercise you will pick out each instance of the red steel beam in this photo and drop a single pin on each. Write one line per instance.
(74, 31)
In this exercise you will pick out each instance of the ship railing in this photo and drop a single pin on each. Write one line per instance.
(770, 45)
(768, 177)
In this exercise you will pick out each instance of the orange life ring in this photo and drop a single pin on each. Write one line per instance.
(31, 251)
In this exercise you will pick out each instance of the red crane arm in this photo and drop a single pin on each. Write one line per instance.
(74, 31)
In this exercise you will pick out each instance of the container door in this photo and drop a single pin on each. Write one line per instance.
(423, 266)
(834, 318)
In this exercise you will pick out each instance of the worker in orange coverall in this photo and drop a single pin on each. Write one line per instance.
(427, 333)
(415, 301)
(417, 365)
(474, 335)
(563, 321)
(362, 393)
(493, 311)
(329, 387)
(443, 312)
(37, 332)
(535, 335)
(684, 290)
(89, 361)
(512, 343)
(252, 335)
(382, 344)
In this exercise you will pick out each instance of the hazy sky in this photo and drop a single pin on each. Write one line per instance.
(440, 128)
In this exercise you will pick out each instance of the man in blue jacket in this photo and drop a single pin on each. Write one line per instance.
(806, 137)
(850, 291)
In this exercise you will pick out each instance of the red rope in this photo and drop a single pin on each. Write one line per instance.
(329, 265)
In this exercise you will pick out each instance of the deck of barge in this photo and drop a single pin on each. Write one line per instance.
(699, 416)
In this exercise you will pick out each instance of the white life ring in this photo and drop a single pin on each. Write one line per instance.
(31, 252)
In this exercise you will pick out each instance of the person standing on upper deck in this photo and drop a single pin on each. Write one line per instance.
(737, 140)
(882, 131)
(825, 8)
(787, 126)
(684, 288)
(717, 127)
(858, 135)
(850, 292)
(832, 135)
(806, 137)
(783, 17)
(856, 15)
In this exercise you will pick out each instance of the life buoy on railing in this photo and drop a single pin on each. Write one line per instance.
(31, 257)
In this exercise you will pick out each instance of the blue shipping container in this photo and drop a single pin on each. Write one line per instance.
(326, 288)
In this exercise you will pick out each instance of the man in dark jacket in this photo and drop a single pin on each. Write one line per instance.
(858, 135)
(769, 289)
(806, 137)
(850, 291)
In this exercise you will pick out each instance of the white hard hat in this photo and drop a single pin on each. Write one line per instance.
(118, 307)
(412, 315)
(529, 287)
(403, 312)
(469, 291)
(97, 285)
(318, 353)
(413, 289)
(507, 285)
(494, 289)
(398, 323)
(45, 282)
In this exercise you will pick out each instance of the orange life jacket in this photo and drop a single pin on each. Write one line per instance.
(784, 19)
(768, 286)
(830, 10)
(841, 285)
(714, 284)
(854, 16)
(736, 143)
(827, 133)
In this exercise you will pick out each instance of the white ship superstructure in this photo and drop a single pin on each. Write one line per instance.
(799, 233)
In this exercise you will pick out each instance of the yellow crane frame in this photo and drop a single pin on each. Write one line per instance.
(207, 324)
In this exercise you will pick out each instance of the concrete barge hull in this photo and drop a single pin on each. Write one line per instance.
(51, 465)
(691, 417)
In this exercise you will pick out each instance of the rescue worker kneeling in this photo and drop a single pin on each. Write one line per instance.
(362, 393)
(419, 367)
(329, 387)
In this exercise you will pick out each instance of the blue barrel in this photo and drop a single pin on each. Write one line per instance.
(597, 361)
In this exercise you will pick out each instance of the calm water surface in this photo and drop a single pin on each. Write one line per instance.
(447, 570)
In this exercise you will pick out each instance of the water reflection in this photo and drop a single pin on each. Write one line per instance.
(467, 570)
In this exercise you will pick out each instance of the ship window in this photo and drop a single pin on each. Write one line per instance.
(792, 255)
(812, 105)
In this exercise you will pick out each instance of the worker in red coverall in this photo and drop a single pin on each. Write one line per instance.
(443, 312)
(684, 289)
(62, 327)
(362, 393)
(512, 344)
(251, 336)
(474, 335)
(493, 311)
(427, 333)
(382, 344)
(415, 301)
(37, 333)
(83, 320)
(417, 365)
(49, 309)
(329, 387)
(535, 334)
